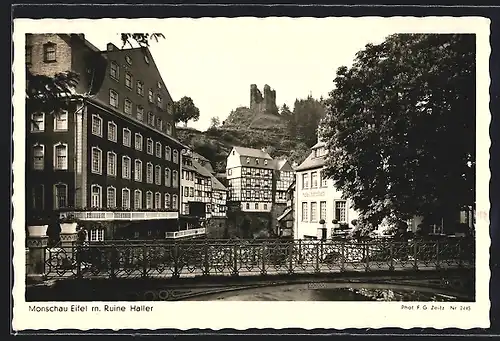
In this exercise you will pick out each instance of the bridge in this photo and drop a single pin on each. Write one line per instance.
(173, 270)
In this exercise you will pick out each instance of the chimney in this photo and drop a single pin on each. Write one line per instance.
(111, 47)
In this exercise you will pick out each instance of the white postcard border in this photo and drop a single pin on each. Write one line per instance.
(243, 315)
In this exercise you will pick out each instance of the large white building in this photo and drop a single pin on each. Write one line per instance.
(316, 199)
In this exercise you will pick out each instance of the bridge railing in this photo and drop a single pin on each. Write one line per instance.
(175, 259)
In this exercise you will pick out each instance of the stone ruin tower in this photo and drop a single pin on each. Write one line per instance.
(263, 104)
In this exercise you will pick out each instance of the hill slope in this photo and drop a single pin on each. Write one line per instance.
(244, 128)
(258, 129)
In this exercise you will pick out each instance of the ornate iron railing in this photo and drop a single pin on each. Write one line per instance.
(189, 258)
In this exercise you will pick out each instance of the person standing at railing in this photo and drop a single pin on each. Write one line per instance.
(81, 246)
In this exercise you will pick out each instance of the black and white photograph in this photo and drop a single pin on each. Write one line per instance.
(334, 160)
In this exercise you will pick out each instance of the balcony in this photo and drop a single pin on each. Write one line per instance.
(185, 233)
(123, 215)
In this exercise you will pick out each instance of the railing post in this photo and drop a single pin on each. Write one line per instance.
(317, 257)
(206, 270)
(37, 246)
(176, 273)
(235, 260)
(144, 261)
(112, 260)
(291, 247)
(300, 251)
(263, 248)
(459, 254)
(438, 265)
(321, 245)
(415, 255)
(67, 244)
(391, 255)
(367, 255)
(342, 255)
(78, 254)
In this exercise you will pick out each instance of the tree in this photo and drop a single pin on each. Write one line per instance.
(185, 110)
(140, 38)
(285, 111)
(214, 123)
(53, 94)
(400, 127)
(303, 122)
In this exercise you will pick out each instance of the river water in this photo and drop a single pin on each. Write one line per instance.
(306, 293)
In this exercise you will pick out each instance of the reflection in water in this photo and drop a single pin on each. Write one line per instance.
(302, 293)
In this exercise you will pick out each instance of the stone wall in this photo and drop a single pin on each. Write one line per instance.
(263, 103)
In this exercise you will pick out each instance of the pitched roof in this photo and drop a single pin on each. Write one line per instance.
(285, 213)
(280, 163)
(105, 106)
(252, 152)
(283, 165)
(201, 170)
(319, 144)
(198, 156)
(208, 166)
(216, 184)
(311, 162)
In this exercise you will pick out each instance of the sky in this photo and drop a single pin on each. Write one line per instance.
(215, 60)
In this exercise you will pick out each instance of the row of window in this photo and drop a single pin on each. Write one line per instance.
(191, 192)
(340, 211)
(257, 182)
(49, 53)
(60, 121)
(97, 129)
(114, 72)
(252, 172)
(256, 206)
(256, 160)
(319, 152)
(256, 195)
(187, 175)
(111, 169)
(152, 120)
(60, 152)
(313, 177)
(155, 200)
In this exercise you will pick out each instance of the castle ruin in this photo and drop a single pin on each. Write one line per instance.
(263, 104)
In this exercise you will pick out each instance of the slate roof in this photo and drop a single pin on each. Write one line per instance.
(199, 156)
(217, 185)
(311, 162)
(252, 152)
(283, 165)
(201, 170)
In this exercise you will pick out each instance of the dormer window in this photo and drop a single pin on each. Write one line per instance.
(146, 59)
(256, 161)
(265, 162)
(158, 85)
(128, 60)
(248, 160)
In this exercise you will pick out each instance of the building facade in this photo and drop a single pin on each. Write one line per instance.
(316, 199)
(250, 179)
(203, 196)
(113, 156)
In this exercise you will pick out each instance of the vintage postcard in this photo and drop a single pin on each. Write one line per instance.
(251, 173)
